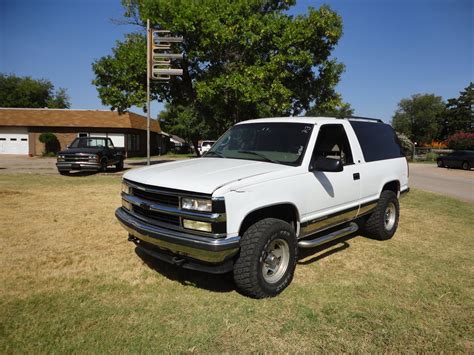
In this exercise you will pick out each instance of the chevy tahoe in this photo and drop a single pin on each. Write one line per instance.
(265, 189)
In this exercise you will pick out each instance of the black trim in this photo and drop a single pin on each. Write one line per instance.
(316, 220)
(378, 120)
(218, 206)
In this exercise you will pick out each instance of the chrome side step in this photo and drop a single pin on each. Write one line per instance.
(311, 243)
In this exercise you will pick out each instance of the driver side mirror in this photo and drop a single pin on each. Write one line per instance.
(327, 164)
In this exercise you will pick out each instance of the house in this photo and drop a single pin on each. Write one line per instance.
(20, 129)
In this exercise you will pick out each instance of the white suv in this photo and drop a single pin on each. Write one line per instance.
(266, 188)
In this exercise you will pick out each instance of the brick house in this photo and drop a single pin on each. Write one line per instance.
(20, 129)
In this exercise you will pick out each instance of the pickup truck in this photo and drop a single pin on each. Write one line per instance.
(265, 189)
(90, 154)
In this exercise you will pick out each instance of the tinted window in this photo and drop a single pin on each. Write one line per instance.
(377, 140)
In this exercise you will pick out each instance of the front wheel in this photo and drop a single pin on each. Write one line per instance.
(383, 222)
(119, 165)
(267, 260)
(103, 166)
(466, 166)
(440, 164)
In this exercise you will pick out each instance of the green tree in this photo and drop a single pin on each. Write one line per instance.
(27, 92)
(459, 114)
(242, 59)
(333, 108)
(419, 117)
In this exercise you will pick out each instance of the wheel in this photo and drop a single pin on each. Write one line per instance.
(440, 164)
(103, 165)
(119, 165)
(63, 172)
(465, 165)
(383, 222)
(267, 260)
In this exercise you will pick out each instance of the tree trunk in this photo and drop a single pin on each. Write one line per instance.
(195, 145)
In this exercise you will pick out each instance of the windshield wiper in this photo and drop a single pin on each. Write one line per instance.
(260, 155)
(213, 152)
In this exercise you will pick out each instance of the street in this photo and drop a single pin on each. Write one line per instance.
(450, 182)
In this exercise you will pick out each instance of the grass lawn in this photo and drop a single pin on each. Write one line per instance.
(70, 282)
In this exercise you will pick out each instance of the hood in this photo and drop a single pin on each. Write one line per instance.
(81, 150)
(204, 175)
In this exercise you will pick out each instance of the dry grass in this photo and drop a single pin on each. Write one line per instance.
(71, 283)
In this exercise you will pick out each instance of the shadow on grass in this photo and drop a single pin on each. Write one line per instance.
(186, 277)
(323, 251)
(110, 171)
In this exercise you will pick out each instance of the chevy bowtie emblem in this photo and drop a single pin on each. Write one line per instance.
(145, 206)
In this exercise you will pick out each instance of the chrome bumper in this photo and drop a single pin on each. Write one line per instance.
(207, 249)
(80, 165)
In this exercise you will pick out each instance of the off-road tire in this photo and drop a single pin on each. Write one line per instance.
(119, 165)
(465, 165)
(374, 226)
(248, 274)
(63, 172)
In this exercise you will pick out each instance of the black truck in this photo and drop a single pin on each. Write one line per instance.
(90, 154)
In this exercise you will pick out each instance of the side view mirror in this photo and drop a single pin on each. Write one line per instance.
(327, 164)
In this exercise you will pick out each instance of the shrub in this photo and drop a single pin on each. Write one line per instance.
(406, 143)
(51, 143)
(431, 156)
(461, 141)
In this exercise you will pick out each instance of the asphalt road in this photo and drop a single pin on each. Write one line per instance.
(450, 182)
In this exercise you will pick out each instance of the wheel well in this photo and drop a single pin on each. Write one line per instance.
(286, 212)
(392, 186)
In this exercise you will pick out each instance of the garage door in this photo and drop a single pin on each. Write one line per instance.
(13, 141)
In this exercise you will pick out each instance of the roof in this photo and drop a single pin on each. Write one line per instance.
(34, 117)
(177, 139)
(310, 120)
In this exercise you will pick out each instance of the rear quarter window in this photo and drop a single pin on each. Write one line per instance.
(377, 140)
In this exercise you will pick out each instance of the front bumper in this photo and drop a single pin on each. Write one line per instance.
(206, 249)
(79, 165)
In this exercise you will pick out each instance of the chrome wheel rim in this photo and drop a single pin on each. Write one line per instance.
(276, 258)
(390, 216)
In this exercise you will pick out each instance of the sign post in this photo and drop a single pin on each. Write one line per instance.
(159, 57)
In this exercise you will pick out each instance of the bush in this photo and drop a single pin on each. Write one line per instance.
(431, 156)
(406, 143)
(461, 141)
(51, 143)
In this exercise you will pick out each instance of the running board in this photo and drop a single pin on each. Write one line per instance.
(311, 243)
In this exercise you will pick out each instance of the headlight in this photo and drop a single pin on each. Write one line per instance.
(125, 188)
(197, 225)
(196, 204)
(61, 157)
(92, 157)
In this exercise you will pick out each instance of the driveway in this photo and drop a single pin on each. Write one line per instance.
(14, 164)
(450, 182)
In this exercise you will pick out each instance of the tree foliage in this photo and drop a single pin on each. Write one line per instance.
(459, 113)
(418, 117)
(27, 92)
(461, 140)
(242, 59)
(334, 108)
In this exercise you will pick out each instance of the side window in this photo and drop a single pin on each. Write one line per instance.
(377, 140)
(332, 143)
(109, 143)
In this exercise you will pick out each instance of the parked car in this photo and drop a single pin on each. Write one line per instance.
(90, 154)
(265, 189)
(205, 146)
(458, 159)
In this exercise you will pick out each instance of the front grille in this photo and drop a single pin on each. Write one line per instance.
(75, 158)
(163, 199)
(158, 216)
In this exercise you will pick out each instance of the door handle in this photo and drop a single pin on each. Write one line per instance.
(356, 176)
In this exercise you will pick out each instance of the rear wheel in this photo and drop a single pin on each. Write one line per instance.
(465, 165)
(383, 222)
(440, 164)
(103, 165)
(267, 260)
(119, 165)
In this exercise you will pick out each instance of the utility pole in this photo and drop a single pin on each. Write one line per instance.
(158, 61)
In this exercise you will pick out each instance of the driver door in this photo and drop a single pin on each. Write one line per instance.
(333, 197)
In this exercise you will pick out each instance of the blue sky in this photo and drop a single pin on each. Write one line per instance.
(391, 49)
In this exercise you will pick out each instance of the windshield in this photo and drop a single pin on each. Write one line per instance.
(282, 143)
(91, 143)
